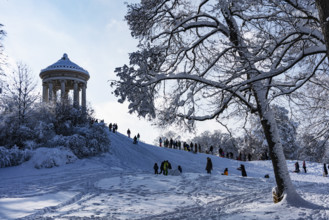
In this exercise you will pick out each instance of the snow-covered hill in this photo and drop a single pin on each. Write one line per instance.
(121, 185)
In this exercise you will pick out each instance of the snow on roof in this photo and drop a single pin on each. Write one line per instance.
(65, 64)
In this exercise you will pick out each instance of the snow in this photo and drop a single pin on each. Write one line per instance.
(121, 185)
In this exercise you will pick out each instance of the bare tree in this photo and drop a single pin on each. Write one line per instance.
(19, 95)
(200, 60)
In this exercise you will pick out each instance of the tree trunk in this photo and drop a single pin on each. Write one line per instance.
(323, 9)
(281, 173)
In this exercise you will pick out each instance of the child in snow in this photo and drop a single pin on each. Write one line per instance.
(243, 170)
(225, 172)
(209, 165)
(155, 167)
(165, 168)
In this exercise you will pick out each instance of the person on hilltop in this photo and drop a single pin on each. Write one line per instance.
(304, 166)
(209, 165)
(128, 133)
(243, 170)
(211, 149)
(135, 140)
(110, 127)
(155, 167)
(160, 142)
(138, 137)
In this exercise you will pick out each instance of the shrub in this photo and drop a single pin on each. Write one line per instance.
(13, 156)
(54, 157)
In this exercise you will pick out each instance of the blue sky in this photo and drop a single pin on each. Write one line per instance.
(94, 35)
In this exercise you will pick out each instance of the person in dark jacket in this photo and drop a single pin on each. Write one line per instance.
(209, 165)
(211, 149)
(325, 171)
(135, 140)
(243, 170)
(304, 166)
(180, 169)
(161, 167)
(155, 167)
(297, 167)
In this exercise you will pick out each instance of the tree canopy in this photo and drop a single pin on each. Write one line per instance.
(198, 60)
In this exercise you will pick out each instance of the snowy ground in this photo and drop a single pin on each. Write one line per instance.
(121, 185)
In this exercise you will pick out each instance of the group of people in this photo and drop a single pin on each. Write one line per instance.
(165, 167)
(196, 148)
(136, 137)
(209, 167)
(113, 127)
(297, 170)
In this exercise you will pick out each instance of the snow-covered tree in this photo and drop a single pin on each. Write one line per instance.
(201, 59)
(20, 94)
(16, 103)
(254, 139)
(2, 58)
(217, 139)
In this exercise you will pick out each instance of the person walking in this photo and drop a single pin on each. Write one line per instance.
(304, 166)
(297, 167)
(155, 167)
(325, 171)
(209, 165)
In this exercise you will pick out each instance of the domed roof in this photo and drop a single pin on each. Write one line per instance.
(65, 64)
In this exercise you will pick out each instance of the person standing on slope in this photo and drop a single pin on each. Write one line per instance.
(325, 171)
(165, 168)
(128, 133)
(155, 167)
(297, 167)
(209, 165)
(243, 170)
(304, 166)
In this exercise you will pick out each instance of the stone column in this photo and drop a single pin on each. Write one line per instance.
(75, 95)
(50, 90)
(83, 101)
(45, 92)
(55, 94)
(63, 90)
